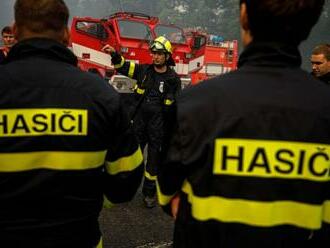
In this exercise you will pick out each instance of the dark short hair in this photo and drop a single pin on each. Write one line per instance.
(41, 15)
(282, 20)
(7, 30)
(322, 49)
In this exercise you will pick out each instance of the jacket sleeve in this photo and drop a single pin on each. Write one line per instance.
(171, 172)
(130, 69)
(127, 68)
(2, 56)
(123, 169)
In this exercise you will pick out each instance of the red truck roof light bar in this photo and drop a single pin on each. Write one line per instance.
(133, 15)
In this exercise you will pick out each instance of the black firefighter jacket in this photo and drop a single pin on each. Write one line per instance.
(250, 156)
(325, 78)
(65, 143)
(162, 88)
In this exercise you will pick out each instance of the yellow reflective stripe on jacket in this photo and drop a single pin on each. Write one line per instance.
(162, 198)
(263, 214)
(149, 176)
(122, 62)
(139, 91)
(168, 102)
(272, 159)
(125, 164)
(131, 69)
(326, 211)
(59, 160)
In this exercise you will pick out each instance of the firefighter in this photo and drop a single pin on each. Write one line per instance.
(247, 164)
(320, 61)
(66, 145)
(156, 88)
(8, 41)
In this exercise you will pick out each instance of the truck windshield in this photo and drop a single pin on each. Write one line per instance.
(136, 30)
(173, 34)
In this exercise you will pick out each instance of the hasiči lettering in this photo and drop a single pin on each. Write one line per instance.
(33, 122)
(277, 159)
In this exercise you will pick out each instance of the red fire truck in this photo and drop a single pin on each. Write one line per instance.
(210, 58)
(131, 33)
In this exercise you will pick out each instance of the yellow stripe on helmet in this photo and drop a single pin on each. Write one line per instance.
(165, 42)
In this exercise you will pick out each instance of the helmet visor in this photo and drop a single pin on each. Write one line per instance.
(157, 46)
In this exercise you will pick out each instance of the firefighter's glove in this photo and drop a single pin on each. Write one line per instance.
(116, 59)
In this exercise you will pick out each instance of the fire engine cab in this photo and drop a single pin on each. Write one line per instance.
(130, 34)
(210, 57)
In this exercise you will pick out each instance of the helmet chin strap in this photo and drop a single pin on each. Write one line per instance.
(160, 66)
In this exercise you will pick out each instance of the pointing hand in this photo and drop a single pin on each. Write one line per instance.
(108, 49)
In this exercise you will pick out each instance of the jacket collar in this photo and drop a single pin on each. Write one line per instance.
(270, 54)
(325, 78)
(41, 47)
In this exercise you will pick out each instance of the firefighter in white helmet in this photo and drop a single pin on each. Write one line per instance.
(156, 88)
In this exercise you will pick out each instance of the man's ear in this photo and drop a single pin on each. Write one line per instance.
(66, 36)
(15, 31)
(246, 35)
(244, 20)
(167, 56)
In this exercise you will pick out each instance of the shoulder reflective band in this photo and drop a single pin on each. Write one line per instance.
(36, 122)
(131, 69)
(168, 102)
(254, 213)
(272, 159)
(59, 160)
(122, 62)
(125, 164)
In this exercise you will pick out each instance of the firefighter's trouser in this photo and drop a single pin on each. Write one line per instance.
(149, 128)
